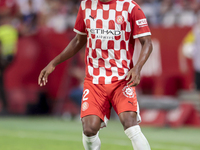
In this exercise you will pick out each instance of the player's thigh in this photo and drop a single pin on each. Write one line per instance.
(95, 102)
(125, 104)
(124, 98)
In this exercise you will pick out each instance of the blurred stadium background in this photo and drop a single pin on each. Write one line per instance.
(32, 32)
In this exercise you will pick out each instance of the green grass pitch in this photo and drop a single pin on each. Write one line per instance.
(43, 133)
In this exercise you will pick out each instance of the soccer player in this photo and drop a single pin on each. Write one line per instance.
(109, 29)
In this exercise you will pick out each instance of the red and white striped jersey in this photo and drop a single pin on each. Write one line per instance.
(111, 29)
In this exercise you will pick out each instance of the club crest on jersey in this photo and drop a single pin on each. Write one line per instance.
(85, 106)
(128, 92)
(119, 19)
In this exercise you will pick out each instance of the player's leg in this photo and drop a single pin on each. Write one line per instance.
(125, 104)
(95, 111)
(133, 131)
(91, 125)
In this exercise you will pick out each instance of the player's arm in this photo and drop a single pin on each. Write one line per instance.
(73, 47)
(134, 73)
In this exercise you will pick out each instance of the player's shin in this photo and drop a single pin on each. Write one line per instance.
(92, 142)
(137, 138)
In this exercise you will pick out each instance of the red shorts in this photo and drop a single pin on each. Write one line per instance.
(98, 99)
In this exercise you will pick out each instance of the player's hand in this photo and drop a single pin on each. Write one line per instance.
(42, 80)
(134, 77)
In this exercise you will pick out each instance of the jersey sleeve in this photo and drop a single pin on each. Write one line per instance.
(140, 26)
(80, 24)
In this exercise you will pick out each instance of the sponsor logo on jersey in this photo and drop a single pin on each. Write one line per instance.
(85, 106)
(119, 19)
(128, 91)
(105, 34)
(141, 22)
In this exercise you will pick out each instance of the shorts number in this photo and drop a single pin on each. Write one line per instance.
(85, 93)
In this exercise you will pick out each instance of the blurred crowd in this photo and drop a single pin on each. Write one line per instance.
(169, 13)
(29, 16)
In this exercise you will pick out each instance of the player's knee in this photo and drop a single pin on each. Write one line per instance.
(128, 119)
(90, 131)
(127, 124)
(91, 125)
